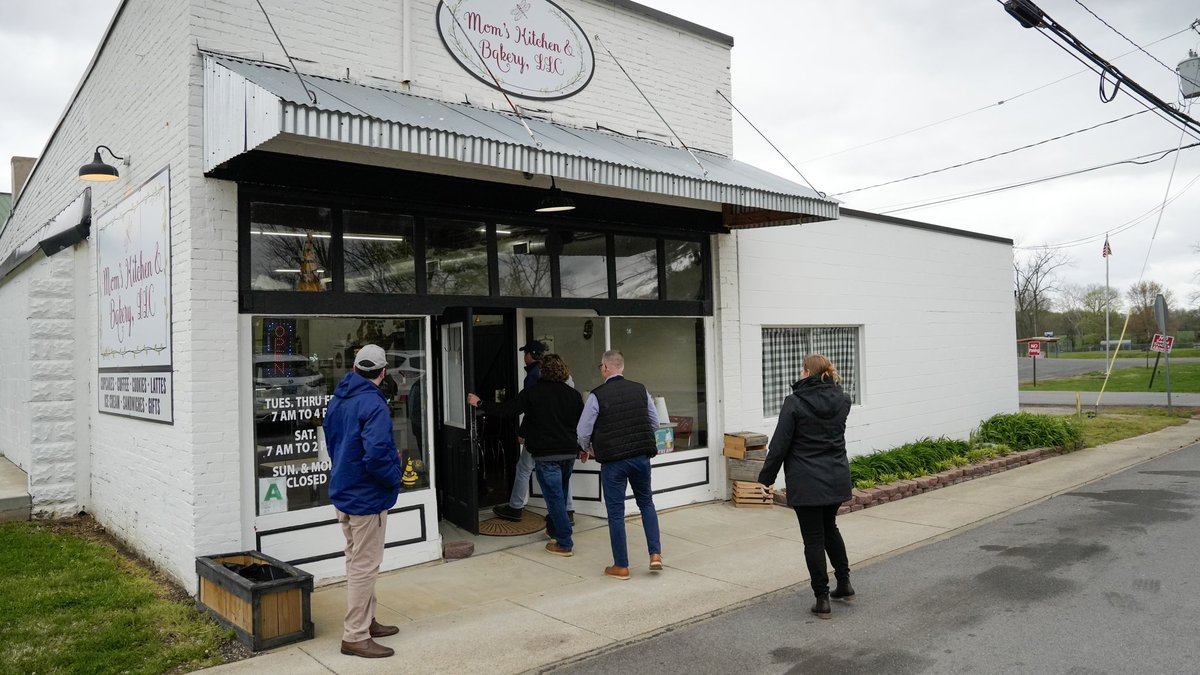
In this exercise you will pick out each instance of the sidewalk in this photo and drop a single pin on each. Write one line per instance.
(1088, 399)
(522, 609)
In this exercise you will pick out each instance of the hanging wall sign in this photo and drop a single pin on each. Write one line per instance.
(133, 291)
(527, 48)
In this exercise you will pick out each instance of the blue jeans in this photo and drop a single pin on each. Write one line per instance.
(553, 477)
(520, 489)
(614, 477)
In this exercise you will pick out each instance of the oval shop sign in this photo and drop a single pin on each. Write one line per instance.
(527, 48)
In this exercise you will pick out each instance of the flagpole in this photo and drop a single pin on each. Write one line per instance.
(1107, 341)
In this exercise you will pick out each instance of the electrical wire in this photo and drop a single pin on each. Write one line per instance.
(1126, 38)
(953, 198)
(986, 107)
(993, 156)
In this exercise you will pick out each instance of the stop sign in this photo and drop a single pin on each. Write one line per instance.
(1035, 349)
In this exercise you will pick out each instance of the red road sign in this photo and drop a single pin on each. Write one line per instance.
(1162, 343)
(1035, 348)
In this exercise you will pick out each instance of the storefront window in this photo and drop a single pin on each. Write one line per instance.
(524, 258)
(456, 257)
(583, 265)
(667, 355)
(297, 364)
(685, 270)
(289, 247)
(637, 268)
(579, 340)
(379, 253)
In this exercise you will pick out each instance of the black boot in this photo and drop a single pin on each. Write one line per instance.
(844, 591)
(822, 608)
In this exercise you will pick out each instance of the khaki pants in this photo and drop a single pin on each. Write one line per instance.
(364, 553)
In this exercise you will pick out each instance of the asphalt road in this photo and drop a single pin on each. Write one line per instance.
(1055, 369)
(1100, 580)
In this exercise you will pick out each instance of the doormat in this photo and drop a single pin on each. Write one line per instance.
(498, 527)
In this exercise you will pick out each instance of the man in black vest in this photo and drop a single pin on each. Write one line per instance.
(617, 428)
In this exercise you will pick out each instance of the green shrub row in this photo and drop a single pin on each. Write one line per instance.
(997, 436)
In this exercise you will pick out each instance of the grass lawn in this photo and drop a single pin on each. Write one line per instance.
(1124, 423)
(1185, 378)
(1177, 353)
(71, 603)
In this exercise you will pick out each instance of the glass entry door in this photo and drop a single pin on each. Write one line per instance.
(457, 437)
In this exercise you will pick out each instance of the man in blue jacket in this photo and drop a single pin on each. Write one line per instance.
(364, 485)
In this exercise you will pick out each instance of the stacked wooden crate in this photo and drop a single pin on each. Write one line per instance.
(744, 455)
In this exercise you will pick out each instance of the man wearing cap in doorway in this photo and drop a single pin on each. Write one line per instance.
(364, 485)
(515, 508)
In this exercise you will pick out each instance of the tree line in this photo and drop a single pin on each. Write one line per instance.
(1075, 313)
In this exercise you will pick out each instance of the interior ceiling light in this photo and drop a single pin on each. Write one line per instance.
(555, 201)
(97, 171)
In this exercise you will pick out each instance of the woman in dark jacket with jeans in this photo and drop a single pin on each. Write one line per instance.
(810, 444)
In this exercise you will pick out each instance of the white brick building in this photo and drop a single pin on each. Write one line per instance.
(398, 208)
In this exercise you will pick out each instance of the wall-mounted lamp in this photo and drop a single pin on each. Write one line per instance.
(557, 200)
(97, 171)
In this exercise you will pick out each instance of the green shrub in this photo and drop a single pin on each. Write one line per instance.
(885, 478)
(1022, 431)
(865, 484)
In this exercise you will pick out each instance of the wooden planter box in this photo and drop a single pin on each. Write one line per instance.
(264, 614)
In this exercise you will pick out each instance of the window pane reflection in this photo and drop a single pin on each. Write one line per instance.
(289, 248)
(456, 257)
(379, 253)
(685, 271)
(524, 259)
(637, 268)
(297, 364)
(583, 265)
(667, 355)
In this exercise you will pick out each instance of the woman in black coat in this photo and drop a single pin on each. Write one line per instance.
(810, 444)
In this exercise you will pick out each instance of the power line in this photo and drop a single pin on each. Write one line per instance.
(981, 109)
(1113, 29)
(953, 198)
(993, 156)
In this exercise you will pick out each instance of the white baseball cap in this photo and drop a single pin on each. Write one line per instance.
(370, 357)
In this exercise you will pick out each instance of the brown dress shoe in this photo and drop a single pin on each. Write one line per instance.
(554, 548)
(380, 630)
(615, 572)
(368, 649)
(656, 562)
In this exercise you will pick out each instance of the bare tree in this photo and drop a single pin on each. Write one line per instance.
(1036, 280)
(1141, 295)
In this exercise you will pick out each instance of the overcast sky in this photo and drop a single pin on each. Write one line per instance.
(820, 78)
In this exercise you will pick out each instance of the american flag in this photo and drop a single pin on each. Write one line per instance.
(1107, 249)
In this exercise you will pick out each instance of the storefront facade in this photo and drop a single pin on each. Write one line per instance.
(186, 324)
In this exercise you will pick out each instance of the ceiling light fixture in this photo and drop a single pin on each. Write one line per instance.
(556, 201)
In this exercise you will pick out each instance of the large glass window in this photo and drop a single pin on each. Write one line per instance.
(524, 259)
(784, 349)
(583, 265)
(637, 268)
(289, 247)
(667, 355)
(297, 364)
(685, 270)
(456, 260)
(579, 340)
(379, 253)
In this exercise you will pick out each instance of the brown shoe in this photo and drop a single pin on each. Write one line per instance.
(368, 649)
(554, 548)
(656, 564)
(615, 572)
(380, 630)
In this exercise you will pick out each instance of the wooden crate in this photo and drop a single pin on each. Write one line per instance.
(738, 443)
(264, 614)
(748, 495)
(743, 469)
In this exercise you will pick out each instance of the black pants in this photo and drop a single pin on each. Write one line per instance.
(818, 527)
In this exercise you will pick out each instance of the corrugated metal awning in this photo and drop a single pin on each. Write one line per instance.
(246, 104)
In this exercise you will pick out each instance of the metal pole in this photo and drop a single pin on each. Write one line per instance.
(1107, 362)
(1168, 373)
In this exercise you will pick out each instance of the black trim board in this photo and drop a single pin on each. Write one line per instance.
(941, 229)
(258, 536)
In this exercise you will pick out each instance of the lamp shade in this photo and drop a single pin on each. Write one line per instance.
(555, 200)
(97, 171)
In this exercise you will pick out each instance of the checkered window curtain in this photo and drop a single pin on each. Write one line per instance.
(784, 350)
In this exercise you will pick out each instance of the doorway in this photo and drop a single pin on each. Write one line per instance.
(477, 455)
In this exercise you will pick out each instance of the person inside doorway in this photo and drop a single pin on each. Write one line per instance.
(552, 409)
(515, 508)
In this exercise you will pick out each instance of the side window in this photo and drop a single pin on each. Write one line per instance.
(784, 349)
